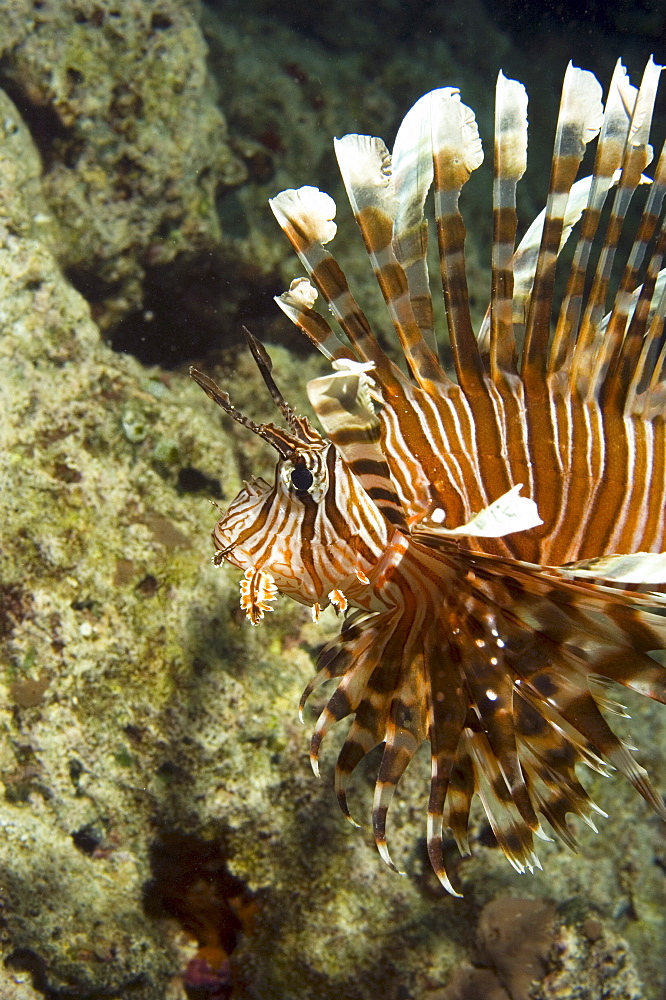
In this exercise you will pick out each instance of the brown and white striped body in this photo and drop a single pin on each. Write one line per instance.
(483, 617)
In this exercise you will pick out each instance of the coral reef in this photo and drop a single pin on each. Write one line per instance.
(528, 950)
(135, 149)
(137, 710)
(514, 937)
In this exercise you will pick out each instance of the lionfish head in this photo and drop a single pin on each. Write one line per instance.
(281, 534)
(496, 535)
(300, 482)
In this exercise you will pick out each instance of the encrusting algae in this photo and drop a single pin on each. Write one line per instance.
(495, 536)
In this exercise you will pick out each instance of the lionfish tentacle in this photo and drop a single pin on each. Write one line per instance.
(297, 303)
(656, 348)
(412, 170)
(496, 536)
(343, 404)
(579, 122)
(527, 254)
(306, 217)
(284, 442)
(457, 151)
(617, 338)
(610, 150)
(509, 166)
(376, 197)
(586, 420)
(637, 156)
(633, 314)
(300, 426)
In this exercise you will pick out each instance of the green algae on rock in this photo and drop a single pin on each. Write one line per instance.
(135, 147)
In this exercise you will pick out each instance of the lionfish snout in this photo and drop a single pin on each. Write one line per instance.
(238, 522)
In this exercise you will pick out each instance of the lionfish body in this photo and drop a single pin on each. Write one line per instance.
(481, 620)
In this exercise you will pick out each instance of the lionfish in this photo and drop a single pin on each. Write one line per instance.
(495, 535)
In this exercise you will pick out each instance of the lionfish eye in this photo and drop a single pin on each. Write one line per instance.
(301, 479)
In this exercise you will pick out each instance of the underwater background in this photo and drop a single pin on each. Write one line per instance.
(161, 833)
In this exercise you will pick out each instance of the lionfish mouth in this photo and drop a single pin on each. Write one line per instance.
(496, 536)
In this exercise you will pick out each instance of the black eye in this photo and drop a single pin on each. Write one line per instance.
(301, 479)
